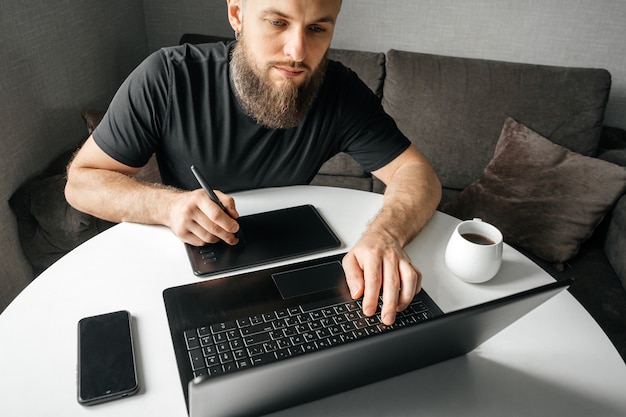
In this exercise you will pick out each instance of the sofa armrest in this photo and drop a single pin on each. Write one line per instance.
(613, 149)
(615, 242)
(613, 145)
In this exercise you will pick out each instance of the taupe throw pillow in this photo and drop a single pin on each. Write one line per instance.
(542, 196)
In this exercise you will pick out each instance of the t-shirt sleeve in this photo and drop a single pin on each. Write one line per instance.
(368, 133)
(130, 129)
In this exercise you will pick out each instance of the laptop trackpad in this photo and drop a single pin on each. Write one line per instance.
(309, 280)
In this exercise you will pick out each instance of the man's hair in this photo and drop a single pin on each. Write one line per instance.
(243, 2)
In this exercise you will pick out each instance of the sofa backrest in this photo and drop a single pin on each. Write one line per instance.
(453, 109)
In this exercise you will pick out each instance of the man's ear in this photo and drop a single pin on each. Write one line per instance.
(235, 14)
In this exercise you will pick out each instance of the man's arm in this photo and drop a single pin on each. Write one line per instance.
(103, 187)
(378, 260)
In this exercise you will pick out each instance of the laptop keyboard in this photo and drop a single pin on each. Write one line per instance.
(256, 340)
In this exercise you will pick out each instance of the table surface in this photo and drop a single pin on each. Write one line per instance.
(554, 361)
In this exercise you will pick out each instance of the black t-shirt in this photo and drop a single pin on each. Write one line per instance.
(180, 104)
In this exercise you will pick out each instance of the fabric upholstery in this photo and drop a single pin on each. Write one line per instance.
(48, 226)
(453, 108)
(542, 196)
(615, 243)
(369, 66)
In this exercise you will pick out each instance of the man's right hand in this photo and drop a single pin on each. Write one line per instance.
(197, 220)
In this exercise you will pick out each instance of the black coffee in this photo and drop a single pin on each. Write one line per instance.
(478, 239)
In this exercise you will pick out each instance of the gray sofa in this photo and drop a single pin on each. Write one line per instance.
(522, 146)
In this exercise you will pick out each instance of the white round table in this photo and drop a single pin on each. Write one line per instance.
(554, 361)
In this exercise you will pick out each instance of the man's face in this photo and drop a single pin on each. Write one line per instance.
(287, 40)
(280, 60)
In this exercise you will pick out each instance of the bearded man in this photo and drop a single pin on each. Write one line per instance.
(266, 110)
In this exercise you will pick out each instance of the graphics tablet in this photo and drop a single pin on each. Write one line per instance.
(267, 237)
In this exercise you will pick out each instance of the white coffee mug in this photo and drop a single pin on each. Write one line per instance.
(474, 251)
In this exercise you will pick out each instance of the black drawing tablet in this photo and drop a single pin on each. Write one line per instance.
(267, 237)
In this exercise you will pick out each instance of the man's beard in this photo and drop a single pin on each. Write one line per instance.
(281, 107)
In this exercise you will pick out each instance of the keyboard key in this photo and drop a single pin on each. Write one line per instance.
(191, 338)
(220, 338)
(256, 319)
(282, 314)
(209, 350)
(310, 347)
(294, 311)
(222, 327)
(229, 367)
(269, 316)
(226, 357)
(212, 360)
(243, 322)
(243, 363)
(204, 331)
(197, 359)
(263, 359)
(240, 354)
(256, 350)
(283, 343)
(279, 324)
(352, 306)
(200, 372)
(283, 353)
(270, 346)
(222, 347)
(215, 370)
(296, 350)
(206, 340)
(256, 339)
(236, 343)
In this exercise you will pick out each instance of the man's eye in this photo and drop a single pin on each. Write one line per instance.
(276, 23)
(317, 29)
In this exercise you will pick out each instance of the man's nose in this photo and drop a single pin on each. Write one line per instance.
(295, 48)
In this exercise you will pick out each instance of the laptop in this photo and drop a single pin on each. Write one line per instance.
(240, 340)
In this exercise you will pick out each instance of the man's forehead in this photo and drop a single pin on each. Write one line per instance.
(315, 10)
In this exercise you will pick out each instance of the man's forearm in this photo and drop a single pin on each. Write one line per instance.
(410, 201)
(117, 197)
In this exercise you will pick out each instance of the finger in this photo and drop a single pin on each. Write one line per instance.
(214, 222)
(354, 275)
(372, 278)
(229, 204)
(411, 279)
(193, 239)
(391, 292)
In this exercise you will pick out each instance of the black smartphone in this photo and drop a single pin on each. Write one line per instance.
(106, 358)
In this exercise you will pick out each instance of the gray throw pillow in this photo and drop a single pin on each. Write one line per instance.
(542, 197)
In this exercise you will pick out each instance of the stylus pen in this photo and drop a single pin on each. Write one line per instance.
(207, 187)
(209, 190)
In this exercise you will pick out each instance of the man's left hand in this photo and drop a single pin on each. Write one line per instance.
(377, 262)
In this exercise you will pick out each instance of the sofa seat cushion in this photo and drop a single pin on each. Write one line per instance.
(542, 196)
(48, 227)
(453, 108)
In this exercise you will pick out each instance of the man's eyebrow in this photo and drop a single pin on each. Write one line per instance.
(275, 12)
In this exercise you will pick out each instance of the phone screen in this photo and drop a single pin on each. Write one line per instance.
(106, 362)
